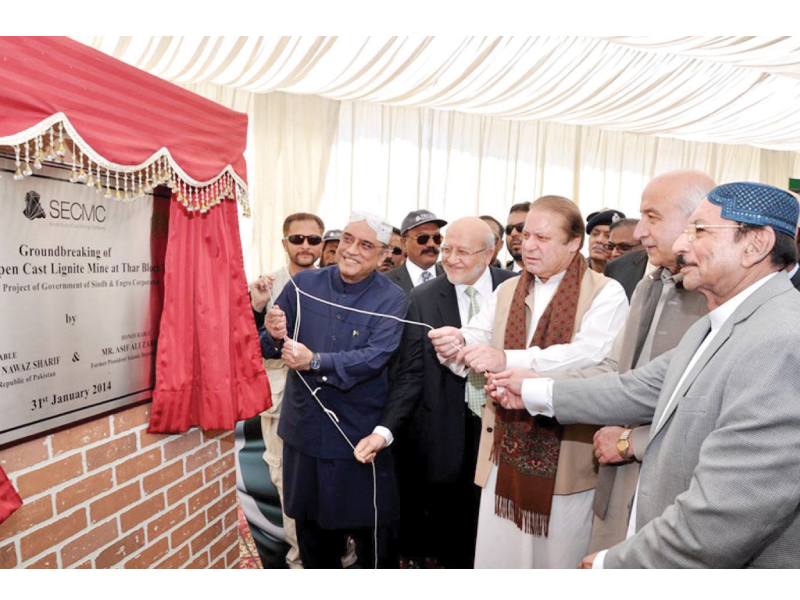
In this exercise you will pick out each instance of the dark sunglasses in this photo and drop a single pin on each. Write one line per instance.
(396, 250)
(518, 227)
(622, 247)
(297, 239)
(423, 238)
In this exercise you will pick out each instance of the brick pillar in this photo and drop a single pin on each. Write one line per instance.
(106, 493)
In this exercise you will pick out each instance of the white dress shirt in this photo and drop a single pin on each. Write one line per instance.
(599, 327)
(415, 272)
(538, 394)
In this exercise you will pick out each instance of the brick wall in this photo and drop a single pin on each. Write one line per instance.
(106, 493)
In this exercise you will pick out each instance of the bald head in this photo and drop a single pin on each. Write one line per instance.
(667, 202)
(467, 250)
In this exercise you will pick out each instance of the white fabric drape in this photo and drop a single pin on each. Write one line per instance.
(329, 156)
(733, 90)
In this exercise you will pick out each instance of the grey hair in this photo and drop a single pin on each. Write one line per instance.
(490, 239)
(692, 194)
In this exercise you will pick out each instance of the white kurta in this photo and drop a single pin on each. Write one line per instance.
(500, 543)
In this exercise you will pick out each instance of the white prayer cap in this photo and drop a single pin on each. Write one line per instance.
(381, 228)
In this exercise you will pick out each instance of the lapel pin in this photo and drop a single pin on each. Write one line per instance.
(355, 332)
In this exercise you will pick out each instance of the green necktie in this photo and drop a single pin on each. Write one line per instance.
(476, 394)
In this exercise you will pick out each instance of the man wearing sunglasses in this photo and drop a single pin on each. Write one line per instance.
(516, 221)
(421, 239)
(302, 241)
(396, 255)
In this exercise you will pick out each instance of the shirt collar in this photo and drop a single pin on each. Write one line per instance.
(554, 280)
(719, 315)
(483, 285)
(794, 270)
(415, 271)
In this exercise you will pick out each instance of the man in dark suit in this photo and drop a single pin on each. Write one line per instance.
(628, 269)
(421, 239)
(447, 424)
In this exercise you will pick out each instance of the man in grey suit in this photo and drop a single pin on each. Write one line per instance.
(718, 483)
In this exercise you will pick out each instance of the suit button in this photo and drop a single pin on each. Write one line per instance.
(333, 337)
(324, 378)
(339, 317)
(489, 429)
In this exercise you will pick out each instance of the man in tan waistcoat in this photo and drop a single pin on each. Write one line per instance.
(538, 477)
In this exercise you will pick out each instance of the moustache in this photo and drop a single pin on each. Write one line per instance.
(680, 260)
(434, 251)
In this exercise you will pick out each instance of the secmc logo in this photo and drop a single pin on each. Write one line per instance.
(33, 207)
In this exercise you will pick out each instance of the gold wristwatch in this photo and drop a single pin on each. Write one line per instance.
(623, 445)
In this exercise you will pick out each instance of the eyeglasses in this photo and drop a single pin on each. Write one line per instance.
(396, 250)
(460, 252)
(348, 240)
(693, 228)
(423, 238)
(297, 239)
(622, 247)
(518, 227)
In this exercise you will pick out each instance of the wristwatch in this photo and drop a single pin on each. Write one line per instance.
(316, 361)
(623, 445)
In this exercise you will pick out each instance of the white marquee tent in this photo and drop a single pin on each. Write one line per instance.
(470, 125)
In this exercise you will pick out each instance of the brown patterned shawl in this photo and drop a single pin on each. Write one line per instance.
(526, 448)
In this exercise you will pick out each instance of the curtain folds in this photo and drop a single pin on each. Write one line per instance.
(9, 498)
(208, 364)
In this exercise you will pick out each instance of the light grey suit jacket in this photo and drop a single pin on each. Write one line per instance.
(720, 480)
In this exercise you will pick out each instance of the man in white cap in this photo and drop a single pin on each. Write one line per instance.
(328, 488)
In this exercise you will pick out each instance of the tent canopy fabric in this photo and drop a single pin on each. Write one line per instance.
(120, 118)
(733, 90)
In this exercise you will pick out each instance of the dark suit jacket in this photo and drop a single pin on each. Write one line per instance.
(796, 280)
(438, 394)
(400, 276)
(628, 269)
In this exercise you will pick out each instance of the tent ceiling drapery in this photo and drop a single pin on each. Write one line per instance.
(116, 125)
(738, 90)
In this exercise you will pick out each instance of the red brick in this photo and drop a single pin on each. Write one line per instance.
(214, 433)
(114, 502)
(210, 533)
(148, 439)
(163, 477)
(199, 562)
(223, 465)
(232, 558)
(226, 443)
(229, 482)
(141, 512)
(185, 487)
(48, 562)
(86, 565)
(88, 543)
(231, 518)
(24, 455)
(51, 535)
(110, 451)
(141, 463)
(221, 546)
(84, 489)
(126, 420)
(228, 500)
(204, 498)
(175, 560)
(49, 476)
(187, 530)
(201, 458)
(120, 550)
(182, 444)
(80, 436)
(165, 522)
(28, 515)
(149, 556)
(8, 557)
(220, 564)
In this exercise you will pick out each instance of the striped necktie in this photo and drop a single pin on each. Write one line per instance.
(476, 394)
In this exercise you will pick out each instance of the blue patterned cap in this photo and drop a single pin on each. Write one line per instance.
(758, 204)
